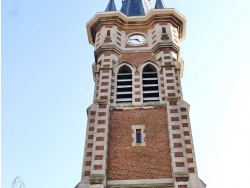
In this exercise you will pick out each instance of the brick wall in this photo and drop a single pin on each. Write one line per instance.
(138, 162)
(137, 58)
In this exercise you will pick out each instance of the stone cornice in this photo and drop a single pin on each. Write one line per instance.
(105, 48)
(143, 22)
(163, 46)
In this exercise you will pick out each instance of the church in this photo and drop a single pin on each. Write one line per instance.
(138, 132)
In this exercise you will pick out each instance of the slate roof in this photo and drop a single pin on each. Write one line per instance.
(135, 7)
(111, 6)
(159, 4)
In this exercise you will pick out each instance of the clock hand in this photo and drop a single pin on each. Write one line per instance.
(133, 39)
(138, 40)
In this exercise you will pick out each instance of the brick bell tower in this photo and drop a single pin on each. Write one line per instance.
(138, 130)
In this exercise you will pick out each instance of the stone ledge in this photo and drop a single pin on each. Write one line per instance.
(169, 98)
(96, 178)
(102, 101)
(141, 183)
(181, 176)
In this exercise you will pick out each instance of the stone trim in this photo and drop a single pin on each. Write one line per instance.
(142, 127)
(141, 182)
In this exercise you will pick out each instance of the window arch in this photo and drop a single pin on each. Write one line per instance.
(124, 85)
(150, 84)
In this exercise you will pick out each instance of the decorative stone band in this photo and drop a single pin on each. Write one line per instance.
(181, 176)
(141, 182)
(102, 101)
(96, 179)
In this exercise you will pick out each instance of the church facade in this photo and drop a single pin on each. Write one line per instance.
(138, 130)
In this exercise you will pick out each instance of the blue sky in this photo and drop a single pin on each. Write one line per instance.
(47, 85)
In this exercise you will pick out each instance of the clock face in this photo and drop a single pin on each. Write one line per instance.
(136, 39)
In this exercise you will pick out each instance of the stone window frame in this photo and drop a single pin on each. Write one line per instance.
(117, 68)
(141, 68)
(143, 134)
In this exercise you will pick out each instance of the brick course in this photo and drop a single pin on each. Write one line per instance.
(102, 114)
(101, 130)
(101, 122)
(90, 145)
(90, 136)
(175, 127)
(137, 58)
(178, 145)
(170, 87)
(184, 116)
(174, 118)
(87, 173)
(102, 106)
(179, 164)
(88, 163)
(176, 135)
(191, 170)
(186, 133)
(105, 77)
(190, 160)
(89, 154)
(99, 138)
(182, 186)
(104, 90)
(173, 110)
(99, 148)
(178, 154)
(98, 157)
(98, 167)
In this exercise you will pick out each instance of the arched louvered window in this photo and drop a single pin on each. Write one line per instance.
(150, 84)
(124, 85)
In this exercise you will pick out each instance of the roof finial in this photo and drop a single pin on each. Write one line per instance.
(111, 6)
(159, 4)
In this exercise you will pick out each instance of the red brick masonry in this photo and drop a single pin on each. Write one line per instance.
(138, 162)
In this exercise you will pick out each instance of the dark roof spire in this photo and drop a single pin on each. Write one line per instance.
(111, 6)
(159, 4)
(135, 7)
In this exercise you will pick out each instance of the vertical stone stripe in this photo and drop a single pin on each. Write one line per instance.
(113, 90)
(88, 151)
(104, 85)
(178, 154)
(137, 89)
(191, 162)
(169, 75)
(178, 85)
(96, 85)
(100, 131)
(162, 91)
(176, 133)
(98, 166)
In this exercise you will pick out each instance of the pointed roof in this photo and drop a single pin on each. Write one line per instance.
(159, 4)
(135, 7)
(111, 6)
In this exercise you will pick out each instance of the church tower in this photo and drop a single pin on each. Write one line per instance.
(138, 130)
